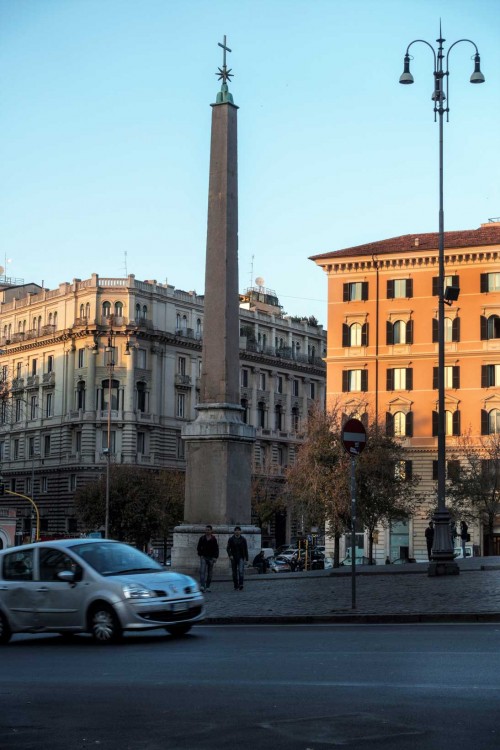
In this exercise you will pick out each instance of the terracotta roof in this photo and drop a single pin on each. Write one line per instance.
(488, 234)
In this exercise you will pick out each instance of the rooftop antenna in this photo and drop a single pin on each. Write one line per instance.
(125, 263)
(251, 270)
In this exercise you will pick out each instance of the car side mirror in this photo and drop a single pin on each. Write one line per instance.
(68, 576)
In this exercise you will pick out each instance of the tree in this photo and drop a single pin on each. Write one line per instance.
(142, 504)
(474, 483)
(385, 487)
(318, 482)
(267, 497)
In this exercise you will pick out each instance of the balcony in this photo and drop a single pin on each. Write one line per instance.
(18, 384)
(182, 381)
(49, 378)
(33, 381)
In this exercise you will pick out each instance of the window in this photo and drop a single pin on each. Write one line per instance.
(278, 418)
(279, 384)
(33, 407)
(181, 365)
(138, 313)
(490, 282)
(18, 566)
(112, 441)
(181, 406)
(490, 327)
(261, 414)
(19, 370)
(399, 424)
(106, 309)
(490, 375)
(141, 442)
(119, 309)
(452, 469)
(50, 363)
(5, 373)
(141, 358)
(448, 281)
(49, 399)
(295, 387)
(80, 395)
(16, 449)
(2, 450)
(31, 447)
(181, 453)
(451, 422)
(354, 380)
(244, 406)
(490, 422)
(244, 378)
(354, 334)
(81, 357)
(114, 394)
(19, 409)
(403, 470)
(295, 419)
(72, 482)
(399, 379)
(356, 290)
(43, 485)
(141, 397)
(78, 442)
(451, 330)
(33, 366)
(399, 332)
(397, 288)
(46, 445)
(451, 377)
(312, 390)
(262, 381)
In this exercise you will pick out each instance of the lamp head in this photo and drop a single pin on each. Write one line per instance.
(451, 294)
(477, 76)
(406, 76)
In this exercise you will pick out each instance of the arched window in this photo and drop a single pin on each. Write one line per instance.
(34, 324)
(114, 394)
(119, 309)
(82, 310)
(198, 328)
(399, 424)
(39, 325)
(184, 323)
(141, 397)
(87, 310)
(137, 312)
(50, 319)
(399, 332)
(24, 326)
(80, 395)
(448, 329)
(355, 334)
(494, 422)
(55, 320)
(144, 311)
(106, 309)
(19, 327)
(494, 327)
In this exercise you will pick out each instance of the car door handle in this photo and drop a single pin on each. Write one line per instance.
(43, 589)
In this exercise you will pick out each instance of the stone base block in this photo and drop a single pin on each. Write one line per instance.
(443, 568)
(185, 557)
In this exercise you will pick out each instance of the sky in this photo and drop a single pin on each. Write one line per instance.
(105, 134)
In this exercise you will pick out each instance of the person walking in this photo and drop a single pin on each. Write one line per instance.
(208, 552)
(237, 550)
(464, 536)
(429, 538)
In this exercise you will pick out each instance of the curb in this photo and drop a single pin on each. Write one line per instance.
(354, 618)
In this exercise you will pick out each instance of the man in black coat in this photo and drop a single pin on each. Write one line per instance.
(208, 552)
(237, 550)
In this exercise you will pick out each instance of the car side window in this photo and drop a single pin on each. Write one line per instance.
(18, 566)
(53, 561)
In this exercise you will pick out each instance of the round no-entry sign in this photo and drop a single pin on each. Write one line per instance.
(354, 436)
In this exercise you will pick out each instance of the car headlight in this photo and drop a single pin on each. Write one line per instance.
(135, 591)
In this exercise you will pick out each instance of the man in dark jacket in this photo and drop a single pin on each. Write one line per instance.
(237, 550)
(208, 552)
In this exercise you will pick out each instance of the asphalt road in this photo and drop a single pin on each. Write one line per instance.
(279, 687)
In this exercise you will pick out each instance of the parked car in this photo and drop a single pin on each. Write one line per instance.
(459, 554)
(279, 564)
(95, 586)
(360, 560)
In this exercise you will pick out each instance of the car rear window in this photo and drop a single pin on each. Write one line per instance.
(18, 566)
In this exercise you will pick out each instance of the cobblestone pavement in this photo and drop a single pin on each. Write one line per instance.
(405, 593)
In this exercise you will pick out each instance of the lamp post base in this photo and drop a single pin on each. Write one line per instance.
(443, 568)
(443, 561)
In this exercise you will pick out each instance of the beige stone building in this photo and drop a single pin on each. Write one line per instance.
(382, 350)
(117, 360)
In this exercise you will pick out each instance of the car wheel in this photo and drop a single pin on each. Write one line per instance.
(179, 630)
(104, 624)
(5, 631)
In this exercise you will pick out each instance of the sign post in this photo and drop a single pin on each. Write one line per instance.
(354, 441)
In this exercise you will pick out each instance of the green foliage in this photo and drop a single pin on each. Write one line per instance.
(142, 503)
(267, 497)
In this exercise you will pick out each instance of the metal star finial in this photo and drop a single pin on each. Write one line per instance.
(223, 73)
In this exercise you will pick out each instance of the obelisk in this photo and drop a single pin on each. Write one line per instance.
(219, 445)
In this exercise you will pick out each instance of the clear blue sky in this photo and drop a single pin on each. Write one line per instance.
(105, 133)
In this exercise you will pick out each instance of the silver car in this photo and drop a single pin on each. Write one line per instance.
(96, 586)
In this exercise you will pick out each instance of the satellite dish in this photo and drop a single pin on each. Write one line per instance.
(259, 281)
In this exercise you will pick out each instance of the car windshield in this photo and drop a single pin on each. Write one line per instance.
(114, 558)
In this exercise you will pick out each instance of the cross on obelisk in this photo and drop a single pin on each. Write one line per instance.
(219, 445)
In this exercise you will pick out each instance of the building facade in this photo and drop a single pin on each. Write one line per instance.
(111, 367)
(382, 352)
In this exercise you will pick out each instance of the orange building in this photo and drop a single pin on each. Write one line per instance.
(382, 353)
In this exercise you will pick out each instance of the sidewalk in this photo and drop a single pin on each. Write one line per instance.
(384, 593)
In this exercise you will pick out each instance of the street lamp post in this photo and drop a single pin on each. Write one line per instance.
(442, 562)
